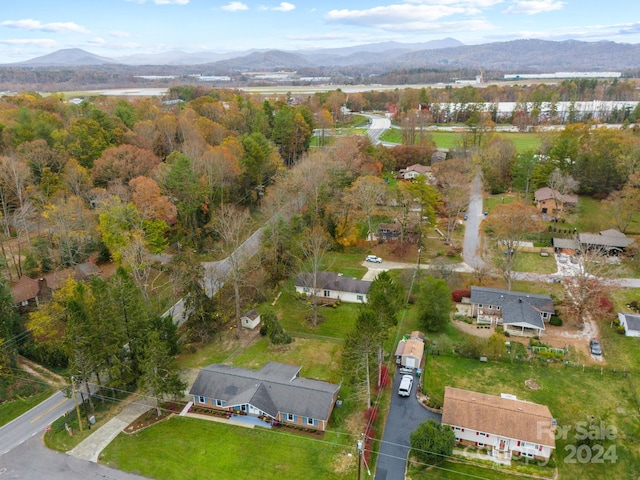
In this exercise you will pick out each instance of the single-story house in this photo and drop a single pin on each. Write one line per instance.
(519, 313)
(611, 242)
(28, 293)
(552, 202)
(251, 319)
(333, 286)
(413, 171)
(504, 425)
(631, 323)
(410, 350)
(276, 392)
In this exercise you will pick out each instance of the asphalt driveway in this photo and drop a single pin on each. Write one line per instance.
(405, 414)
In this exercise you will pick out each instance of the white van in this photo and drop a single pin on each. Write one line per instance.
(406, 384)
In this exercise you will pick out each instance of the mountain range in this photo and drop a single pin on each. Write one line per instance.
(523, 55)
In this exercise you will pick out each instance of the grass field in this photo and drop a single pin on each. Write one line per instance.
(15, 408)
(184, 448)
(450, 140)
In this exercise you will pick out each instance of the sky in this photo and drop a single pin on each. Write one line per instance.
(115, 28)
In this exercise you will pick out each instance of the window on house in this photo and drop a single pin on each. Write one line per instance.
(243, 408)
(327, 293)
(305, 289)
(479, 305)
(24, 303)
(220, 403)
(360, 298)
(200, 399)
(310, 421)
(499, 307)
(545, 314)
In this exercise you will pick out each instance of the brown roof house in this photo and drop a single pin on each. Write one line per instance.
(413, 171)
(552, 202)
(504, 425)
(28, 293)
(276, 393)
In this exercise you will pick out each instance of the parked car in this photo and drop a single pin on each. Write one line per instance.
(406, 384)
(406, 370)
(594, 346)
(373, 258)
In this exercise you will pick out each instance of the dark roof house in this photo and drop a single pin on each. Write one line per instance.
(333, 286)
(519, 313)
(276, 391)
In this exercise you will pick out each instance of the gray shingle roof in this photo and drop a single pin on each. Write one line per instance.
(275, 388)
(333, 281)
(521, 309)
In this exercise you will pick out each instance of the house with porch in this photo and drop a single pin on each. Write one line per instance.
(275, 392)
(331, 286)
(631, 323)
(413, 171)
(504, 426)
(28, 293)
(608, 242)
(523, 314)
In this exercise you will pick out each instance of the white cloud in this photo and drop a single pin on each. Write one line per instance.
(119, 34)
(234, 7)
(394, 14)
(39, 42)
(284, 7)
(57, 27)
(171, 2)
(533, 7)
(97, 41)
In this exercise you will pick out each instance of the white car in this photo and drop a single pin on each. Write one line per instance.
(373, 258)
(406, 384)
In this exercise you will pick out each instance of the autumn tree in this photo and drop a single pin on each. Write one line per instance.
(508, 226)
(497, 161)
(150, 202)
(121, 164)
(313, 249)
(560, 184)
(71, 229)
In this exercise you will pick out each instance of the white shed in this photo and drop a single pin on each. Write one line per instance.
(410, 350)
(631, 323)
(251, 319)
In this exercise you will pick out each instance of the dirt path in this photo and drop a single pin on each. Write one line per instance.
(40, 372)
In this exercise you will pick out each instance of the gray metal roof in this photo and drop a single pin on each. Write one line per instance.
(275, 388)
(518, 308)
(568, 243)
(333, 281)
(633, 321)
(610, 241)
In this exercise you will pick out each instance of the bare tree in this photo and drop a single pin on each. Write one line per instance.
(232, 224)
(313, 249)
(366, 194)
(561, 185)
(453, 181)
(508, 225)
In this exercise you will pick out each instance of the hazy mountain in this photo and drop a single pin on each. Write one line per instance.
(529, 55)
(263, 61)
(175, 58)
(385, 47)
(67, 57)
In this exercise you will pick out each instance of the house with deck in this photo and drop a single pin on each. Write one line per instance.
(503, 426)
(276, 392)
(519, 313)
(331, 286)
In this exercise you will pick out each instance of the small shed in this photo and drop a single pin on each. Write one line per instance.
(631, 323)
(410, 350)
(251, 319)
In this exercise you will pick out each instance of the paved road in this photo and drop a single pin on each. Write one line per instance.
(378, 126)
(471, 244)
(34, 422)
(405, 415)
(32, 460)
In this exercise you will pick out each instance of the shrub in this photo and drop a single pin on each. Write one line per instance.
(555, 321)
(606, 304)
(620, 329)
(458, 295)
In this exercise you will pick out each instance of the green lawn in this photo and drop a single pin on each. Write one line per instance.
(185, 448)
(450, 140)
(533, 262)
(608, 398)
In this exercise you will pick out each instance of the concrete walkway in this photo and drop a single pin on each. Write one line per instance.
(91, 447)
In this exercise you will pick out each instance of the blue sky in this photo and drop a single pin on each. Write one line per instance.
(30, 28)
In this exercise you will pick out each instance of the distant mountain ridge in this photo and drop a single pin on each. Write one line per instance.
(528, 55)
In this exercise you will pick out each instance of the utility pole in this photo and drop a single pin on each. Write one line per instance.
(75, 397)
